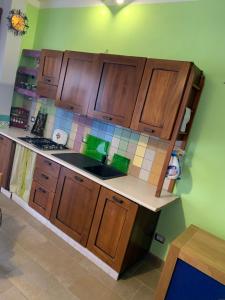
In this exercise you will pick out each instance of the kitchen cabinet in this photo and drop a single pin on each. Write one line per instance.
(160, 95)
(76, 80)
(49, 72)
(44, 185)
(74, 205)
(116, 84)
(7, 150)
(122, 231)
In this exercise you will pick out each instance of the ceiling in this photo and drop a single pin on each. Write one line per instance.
(74, 3)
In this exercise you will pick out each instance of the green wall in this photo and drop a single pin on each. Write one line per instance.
(185, 31)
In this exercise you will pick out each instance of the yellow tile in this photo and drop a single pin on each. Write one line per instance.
(138, 161)
(140, 151)
(143, 141)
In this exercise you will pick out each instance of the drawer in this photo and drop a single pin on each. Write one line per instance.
(47, 166)
(41, 199)
(46, 180)
(46, 90)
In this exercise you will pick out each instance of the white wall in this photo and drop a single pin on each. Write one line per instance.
(9, 56)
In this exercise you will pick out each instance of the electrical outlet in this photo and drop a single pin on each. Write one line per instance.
(160, 238)
(32, 119)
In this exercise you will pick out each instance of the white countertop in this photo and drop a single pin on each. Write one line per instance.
(128, 186)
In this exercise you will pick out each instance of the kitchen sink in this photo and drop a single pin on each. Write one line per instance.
(104, 171)
(90, 165)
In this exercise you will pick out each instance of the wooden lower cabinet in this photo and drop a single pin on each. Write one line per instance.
(122, 231)
(44, 185)
(7, 150)
(41, 199)
(74, 205)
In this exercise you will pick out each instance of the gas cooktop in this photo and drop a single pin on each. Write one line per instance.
(43, 143)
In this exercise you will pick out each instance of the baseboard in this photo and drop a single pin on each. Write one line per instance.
(5, 192)
(84, 251)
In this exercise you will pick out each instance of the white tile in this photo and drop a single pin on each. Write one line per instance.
(144, 175)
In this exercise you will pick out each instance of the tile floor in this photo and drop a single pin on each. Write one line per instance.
(35, 264)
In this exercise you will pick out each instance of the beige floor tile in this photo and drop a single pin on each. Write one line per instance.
(125, 287)
(88, 287)
(5, 284)
(12, 294)
(144, 293)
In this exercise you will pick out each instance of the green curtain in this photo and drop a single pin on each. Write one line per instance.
(22, 172)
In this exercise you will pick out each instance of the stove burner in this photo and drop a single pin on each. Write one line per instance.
(43, 143)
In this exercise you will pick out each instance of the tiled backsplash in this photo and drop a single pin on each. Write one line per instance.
(146, 153)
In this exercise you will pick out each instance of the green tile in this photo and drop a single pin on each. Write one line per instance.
(118, 132)
(96, 148)
(120, 163)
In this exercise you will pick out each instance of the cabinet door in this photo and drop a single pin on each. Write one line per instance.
(50, 66)
(74, 205)
(49, 72)
(75, 85)
(112, 226)
(7, 150)
(159, 98)
(41, 199)
(117, 80)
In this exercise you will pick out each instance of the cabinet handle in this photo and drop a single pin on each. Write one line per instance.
(45, 176)
(48, 162)
(42, 190)
(77, 178)
(71, 107)
(47, 80)
(117, 200)
(107, 118)
(149, 130)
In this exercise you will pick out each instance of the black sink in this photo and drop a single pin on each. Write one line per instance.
(104, 171)
(90, 165)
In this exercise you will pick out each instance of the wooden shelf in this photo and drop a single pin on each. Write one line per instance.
(25, 92)
(28, 71)
(31, 53)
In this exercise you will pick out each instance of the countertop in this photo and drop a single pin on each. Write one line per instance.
(128, 186)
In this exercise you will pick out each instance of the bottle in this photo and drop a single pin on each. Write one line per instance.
(174, 170)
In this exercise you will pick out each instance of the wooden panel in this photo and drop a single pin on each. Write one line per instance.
(46, 90)
(75, 85)
(41, 199)
(117, 80)
(7, 150)
(50, 66)
(74, 205)
(112, 225)
(48, 166)
(160, 96)
(46, 180)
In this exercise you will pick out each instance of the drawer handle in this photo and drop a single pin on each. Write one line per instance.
(48, 162)
(149, 130)
(107, 118)
(45, 176)
(71, 107)
(117, 200)
(42, 190)
(47, 80)
(77, 178)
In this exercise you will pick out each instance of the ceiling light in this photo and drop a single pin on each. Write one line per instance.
(120, 2)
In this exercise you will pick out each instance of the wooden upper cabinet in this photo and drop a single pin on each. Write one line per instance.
(49, 73)
(74, 205)
(111, 229)
(159, 97)
(117, 80)
(76, 79)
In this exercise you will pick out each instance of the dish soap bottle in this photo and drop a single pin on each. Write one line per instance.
(174, 170)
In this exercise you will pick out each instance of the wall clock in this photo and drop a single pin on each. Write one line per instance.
(18, 22)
